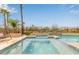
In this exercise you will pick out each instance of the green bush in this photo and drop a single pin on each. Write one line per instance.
(28, 32)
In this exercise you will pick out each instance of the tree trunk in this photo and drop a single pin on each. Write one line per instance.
(21, 19)
(5, 28)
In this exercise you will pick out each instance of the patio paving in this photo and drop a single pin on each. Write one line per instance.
(8, 41)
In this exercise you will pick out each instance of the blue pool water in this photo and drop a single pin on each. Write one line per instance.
(40, 47)
(43, 45)
(70, 38)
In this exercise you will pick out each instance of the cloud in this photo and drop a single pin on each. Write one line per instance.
(69, 6)
(13, 10)
(72, 6)
(74, 11)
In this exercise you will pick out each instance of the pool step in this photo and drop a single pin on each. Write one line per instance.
(53, 36)
(63, 48)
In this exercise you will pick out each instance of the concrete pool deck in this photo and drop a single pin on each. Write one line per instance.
(4, 43)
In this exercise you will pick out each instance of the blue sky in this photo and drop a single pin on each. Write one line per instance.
(46, 14)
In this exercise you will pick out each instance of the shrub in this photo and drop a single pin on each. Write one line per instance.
(28, 32)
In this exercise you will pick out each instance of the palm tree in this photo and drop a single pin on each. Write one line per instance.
(5, 13)
(21, 13)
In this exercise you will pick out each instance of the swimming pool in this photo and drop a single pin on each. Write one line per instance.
(70, 38)
(43, 46)
(40, 45)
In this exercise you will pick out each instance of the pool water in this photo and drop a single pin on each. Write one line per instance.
(42, 45)
(70, 38)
